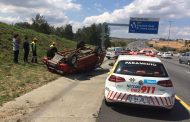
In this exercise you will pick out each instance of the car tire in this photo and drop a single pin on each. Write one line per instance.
(72, 60)
(180, 61)
(188, 63)
(108, 103)
(108, 57)
(98, 51)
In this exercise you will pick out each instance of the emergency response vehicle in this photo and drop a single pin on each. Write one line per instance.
(139, 79)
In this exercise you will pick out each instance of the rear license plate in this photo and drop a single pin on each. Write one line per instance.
(138, 99)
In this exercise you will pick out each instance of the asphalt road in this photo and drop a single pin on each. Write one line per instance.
(180, 75)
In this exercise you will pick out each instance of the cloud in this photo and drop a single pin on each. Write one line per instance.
(164, 9)
(54, 10)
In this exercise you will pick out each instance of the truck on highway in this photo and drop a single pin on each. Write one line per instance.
(185, 58)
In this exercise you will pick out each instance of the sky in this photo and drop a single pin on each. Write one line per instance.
(81, 13)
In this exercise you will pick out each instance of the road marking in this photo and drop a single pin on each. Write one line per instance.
(183, 103)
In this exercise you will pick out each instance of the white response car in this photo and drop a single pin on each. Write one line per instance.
(166, 55)
(139, 80)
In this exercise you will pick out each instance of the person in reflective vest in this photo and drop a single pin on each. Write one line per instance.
(52, 50)
(34, 50)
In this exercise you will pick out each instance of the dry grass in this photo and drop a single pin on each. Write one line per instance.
(174, 44)
(17, 79)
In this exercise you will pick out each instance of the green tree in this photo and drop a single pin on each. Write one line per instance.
(40, 24)
(68, 32)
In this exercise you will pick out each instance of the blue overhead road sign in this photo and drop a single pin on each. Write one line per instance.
(143, 25)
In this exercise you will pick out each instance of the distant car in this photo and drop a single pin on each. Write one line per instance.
(185, 58)
(114, 52)
(141, 80)
(147, 52)
(159, 53)
(166, 55)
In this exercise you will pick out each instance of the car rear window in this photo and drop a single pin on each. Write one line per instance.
(110, 49)
(118, 49)
(141, 68)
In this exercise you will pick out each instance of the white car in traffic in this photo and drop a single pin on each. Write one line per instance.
(114, 52)
(166, 55)
(138, 79)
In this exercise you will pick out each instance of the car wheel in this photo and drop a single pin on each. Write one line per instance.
(180, 61)
(72, 59)
(108, 103)
(98, 51)
(188, 63)
(108, 57)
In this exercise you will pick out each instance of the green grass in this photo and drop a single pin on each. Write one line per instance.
(17, 79)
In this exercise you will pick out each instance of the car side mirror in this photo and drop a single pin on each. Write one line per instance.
(111, 64)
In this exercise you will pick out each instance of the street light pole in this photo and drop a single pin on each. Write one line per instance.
(170, 24)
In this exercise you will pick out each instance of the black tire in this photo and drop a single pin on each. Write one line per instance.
(72, 60)
(98, 51)
(188, 63)
(108, 103)
(180, 61)
(108, 57)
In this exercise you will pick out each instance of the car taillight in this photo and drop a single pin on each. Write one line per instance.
(114, 78)
(165, 83)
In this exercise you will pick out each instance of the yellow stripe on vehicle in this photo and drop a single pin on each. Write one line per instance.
(183, 103)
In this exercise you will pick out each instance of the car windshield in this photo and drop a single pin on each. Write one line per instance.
(118, 49)
(110, 49)
(141, 68)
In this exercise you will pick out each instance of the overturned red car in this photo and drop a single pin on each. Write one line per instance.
(75, 60)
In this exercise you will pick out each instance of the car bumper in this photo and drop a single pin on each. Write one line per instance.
(165, 101)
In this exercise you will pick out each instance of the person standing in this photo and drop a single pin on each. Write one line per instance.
(26, 47)
(52, 50)
(34, 50)
(15, 48)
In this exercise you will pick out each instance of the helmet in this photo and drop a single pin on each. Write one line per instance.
(35, 39)
(53, 43)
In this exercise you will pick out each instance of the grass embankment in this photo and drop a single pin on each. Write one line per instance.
(17, 79)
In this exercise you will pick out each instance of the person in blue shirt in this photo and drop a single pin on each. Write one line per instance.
(26, 47)
(16, 43)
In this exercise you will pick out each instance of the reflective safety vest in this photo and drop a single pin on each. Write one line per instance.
(33, 46)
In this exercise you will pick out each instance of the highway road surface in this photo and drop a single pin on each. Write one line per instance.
(180, 75)
(79, 98)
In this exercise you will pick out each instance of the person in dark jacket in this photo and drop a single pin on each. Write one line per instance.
(34, 50)
(16, 43)
(81, 45)
(26, 47)
(52, 50)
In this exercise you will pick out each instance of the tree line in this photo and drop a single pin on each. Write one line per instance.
(91, 35)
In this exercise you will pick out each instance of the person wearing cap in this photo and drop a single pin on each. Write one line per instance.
(16, 43)
(52, 50)
(34, 50)
(26, 47)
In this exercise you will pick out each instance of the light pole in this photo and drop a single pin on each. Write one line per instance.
(170, 24)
